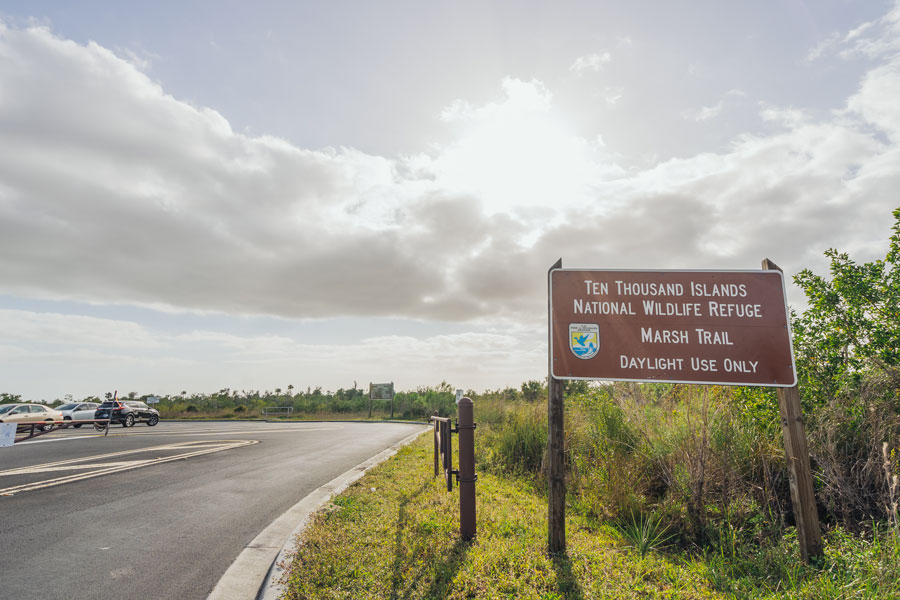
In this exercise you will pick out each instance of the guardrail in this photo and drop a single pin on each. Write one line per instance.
(465, 475)
(277, 411)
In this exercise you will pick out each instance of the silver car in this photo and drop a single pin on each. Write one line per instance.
(78, 411)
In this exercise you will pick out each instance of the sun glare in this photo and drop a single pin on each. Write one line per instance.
(518, 155)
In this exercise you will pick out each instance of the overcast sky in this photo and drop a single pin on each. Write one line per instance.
(199, 195)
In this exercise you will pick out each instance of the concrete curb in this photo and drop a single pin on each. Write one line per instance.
(255, 572)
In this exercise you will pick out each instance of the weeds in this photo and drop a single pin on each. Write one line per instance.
(645, 533)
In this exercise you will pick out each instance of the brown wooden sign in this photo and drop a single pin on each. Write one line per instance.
(722, 327)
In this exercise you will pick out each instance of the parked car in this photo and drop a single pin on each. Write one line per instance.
(78, 411)
(126, 413)
(28, 413)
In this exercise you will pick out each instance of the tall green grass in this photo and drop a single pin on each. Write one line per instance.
(682, 452)
(703, 469)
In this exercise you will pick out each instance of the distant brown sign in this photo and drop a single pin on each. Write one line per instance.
(722, 327)
(381, 391)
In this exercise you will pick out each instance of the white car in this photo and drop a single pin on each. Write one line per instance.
(29, 413)
(78, 411)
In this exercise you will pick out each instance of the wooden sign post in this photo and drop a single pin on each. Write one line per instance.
(803, 498)
(556, 473)
(687, 326)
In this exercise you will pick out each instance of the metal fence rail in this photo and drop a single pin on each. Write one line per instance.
(277, 411)
(443, 450)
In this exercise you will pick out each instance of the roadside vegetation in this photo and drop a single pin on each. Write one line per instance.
(675, 491)
(313, 403)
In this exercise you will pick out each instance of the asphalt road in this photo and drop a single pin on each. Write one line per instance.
(159, 512)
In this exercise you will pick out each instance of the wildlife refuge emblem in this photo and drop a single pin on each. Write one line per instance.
(584, 339)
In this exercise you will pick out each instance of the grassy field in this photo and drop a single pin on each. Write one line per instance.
(394, 534)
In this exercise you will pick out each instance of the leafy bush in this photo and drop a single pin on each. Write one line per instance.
(848, 436)
(852, 323)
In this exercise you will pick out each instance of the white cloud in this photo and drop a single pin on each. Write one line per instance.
(824, 47)
(704, 113)
(142, 60)
(874, 39)
(590, 63)
(81, 351)
(521, 99)
(113, 191)
(22, 325)
(785, 116)
(877, 99)
(612, 95)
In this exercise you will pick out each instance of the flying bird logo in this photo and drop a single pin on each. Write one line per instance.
(584, 339)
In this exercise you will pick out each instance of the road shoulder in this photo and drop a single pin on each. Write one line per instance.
(255, 572)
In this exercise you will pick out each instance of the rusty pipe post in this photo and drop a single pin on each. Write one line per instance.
(447, 450)
(434, 437)
(465, 425)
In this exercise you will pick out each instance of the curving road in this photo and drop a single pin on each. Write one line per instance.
(159, 512)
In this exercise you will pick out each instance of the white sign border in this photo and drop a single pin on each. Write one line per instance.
(787, 315)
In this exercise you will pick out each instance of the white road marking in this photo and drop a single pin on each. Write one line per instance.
(226, 431)
(189, 449)
(191, 432)
(26, 471)
(65, 439)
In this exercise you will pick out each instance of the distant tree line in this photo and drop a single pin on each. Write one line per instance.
(417, 404)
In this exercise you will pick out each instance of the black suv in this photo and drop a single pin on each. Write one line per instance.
(126, 412)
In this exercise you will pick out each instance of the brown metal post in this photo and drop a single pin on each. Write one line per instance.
(443, 447)
(796, 451)
(465, 425)
(437, 448)
(556, 509)
(447, 450)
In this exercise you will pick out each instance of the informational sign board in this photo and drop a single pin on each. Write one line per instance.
(708, 327)
(152, 400)
(381, 391)
(7, 434)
